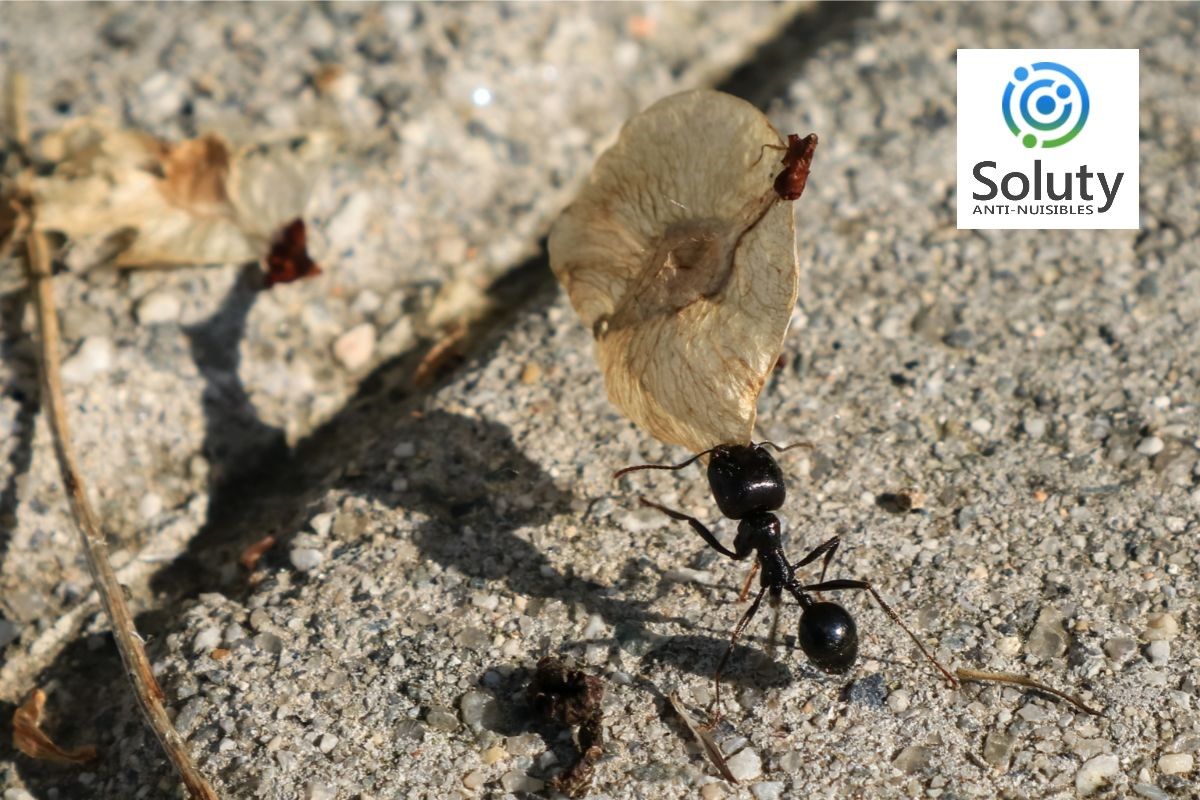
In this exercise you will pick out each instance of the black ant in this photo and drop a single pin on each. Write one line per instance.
(748, 485)
(797, 161)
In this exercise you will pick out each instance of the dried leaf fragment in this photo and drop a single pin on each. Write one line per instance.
(199, 201)
(680, 257)
(289, 259)
(572, 697)
(30, 739)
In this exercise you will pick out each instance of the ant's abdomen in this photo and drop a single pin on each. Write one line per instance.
(828, 637)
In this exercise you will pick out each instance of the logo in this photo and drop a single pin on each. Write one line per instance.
(1063, 152)
(1048, 100)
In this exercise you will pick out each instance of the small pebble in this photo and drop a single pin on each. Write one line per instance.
(354, 348)
(531, 373)
(234, 633)
(158, 307)
(316, 790)
(478, 710)
(745, 765)
(1008, 645)
(150, 506)
(1035, 427)
(1048, 639)
(517, 781)
(1158, 653)
(711, 791)
(997, 749)
(1150, 446)
(327, 742)
(767, 790)
(1120, 648)
(1150, 792)
(206, 640)
(441, 719)
(1161, 627)
(1176, 764)
(981, 426)
(94, 357)
(1095, 773)
(321, 523)
(493, 754)
(899, 700)
(474, 779)
(913, 758)
(306, 559)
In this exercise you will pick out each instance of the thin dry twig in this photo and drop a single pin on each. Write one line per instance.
(981, 676)
(39, 276)
(703, 738)
(137, 666)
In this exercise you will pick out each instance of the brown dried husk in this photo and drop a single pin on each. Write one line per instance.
(681, 259)
(198, 201)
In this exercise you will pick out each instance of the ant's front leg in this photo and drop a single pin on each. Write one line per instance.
(699, 528)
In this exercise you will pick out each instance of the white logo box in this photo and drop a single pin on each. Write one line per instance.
(1046, 101)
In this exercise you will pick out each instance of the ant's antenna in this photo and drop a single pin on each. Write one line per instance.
(690, 461)
(778, 449)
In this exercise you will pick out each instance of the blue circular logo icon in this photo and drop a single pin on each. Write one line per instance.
(1048, 104)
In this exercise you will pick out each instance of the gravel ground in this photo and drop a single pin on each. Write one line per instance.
(1041, 389)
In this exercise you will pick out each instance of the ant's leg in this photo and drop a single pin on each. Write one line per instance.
(745, 620)
(836, 585)
(697, 526)
(773, 637)
(749, 579)
(828, 549)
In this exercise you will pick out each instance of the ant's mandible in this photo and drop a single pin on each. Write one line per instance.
(748, 486)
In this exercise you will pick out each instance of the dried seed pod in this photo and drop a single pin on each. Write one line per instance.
(681, 258)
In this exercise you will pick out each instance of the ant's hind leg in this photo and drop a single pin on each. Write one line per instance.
(737, 631)
(838, 585)
(697, 526)
(829, 548)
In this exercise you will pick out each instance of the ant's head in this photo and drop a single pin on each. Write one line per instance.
(745, 479)
(828, 637)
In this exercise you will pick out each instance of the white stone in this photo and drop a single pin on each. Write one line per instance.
(306, 559)
(206, 640)
(899, 700)
(767, 790)
(1161, 627)
(1095, 773)
(94, 357)
(1159, 653)
(1150, 446)
(158, 307)
(322, 523)
(328, 742)
(745, 765)
(1176, 764)
(150, 506)
(354, 348)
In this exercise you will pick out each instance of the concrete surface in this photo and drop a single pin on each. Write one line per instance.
(1041, 388)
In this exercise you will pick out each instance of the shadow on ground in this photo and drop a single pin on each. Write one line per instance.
(259, 486)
